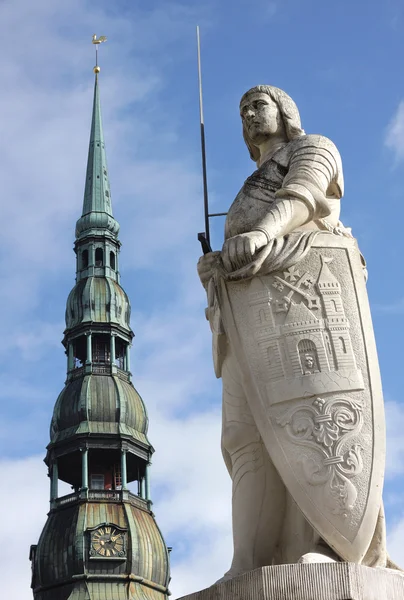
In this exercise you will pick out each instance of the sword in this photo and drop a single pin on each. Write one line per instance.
(204, 236)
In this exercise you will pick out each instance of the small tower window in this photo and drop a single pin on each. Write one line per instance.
(79, 352)
(120, 349)
(112, 260)
(343, 345)
(97, 481)
(84, 259)
(99, 257)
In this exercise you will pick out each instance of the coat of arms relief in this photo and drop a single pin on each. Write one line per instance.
(303, 335)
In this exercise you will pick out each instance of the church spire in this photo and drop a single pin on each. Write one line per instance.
(97, 207)
(100, 540)
(97, 194)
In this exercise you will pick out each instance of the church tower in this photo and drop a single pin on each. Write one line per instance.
(100, 541)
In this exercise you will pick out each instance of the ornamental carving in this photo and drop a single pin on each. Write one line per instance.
(326, 426)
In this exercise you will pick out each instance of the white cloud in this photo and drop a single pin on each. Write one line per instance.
(25, 514)
(395, 308)
(394, 139)
(34, 343)
(193, 504)
(395, 440)
(206, 561)
(395, 541)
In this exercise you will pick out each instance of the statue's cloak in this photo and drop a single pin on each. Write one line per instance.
(303, 337)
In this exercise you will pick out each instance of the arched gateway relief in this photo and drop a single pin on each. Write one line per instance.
(304, 341)
(308, 357)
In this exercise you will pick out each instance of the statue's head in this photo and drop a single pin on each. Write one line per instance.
(309, 360)
(266, 110)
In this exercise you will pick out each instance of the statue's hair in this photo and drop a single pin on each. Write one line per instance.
(287, 109)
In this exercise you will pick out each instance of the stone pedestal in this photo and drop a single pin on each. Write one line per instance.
(321, 581)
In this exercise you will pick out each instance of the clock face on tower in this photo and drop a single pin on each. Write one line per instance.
(107, 541)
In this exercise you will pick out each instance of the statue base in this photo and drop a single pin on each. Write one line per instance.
(319, 581)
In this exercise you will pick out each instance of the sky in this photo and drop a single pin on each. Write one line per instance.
(342, 64)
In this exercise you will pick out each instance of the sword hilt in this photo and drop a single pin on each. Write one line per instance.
(204, 242)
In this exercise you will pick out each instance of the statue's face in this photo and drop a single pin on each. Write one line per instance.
(260, 117)
(309, 361)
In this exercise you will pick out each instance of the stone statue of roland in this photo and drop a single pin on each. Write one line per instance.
(303, 424)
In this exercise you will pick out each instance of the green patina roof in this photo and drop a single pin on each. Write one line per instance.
(97, 207)
(98, 300)
(62, 555)
(99, 404)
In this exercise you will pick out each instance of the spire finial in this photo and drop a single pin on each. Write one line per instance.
(97, 42)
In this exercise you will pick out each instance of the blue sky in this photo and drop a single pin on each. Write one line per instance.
(341, 62)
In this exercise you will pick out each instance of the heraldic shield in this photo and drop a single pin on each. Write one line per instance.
(303, 338)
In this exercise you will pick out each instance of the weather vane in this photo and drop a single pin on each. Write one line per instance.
(97, 42)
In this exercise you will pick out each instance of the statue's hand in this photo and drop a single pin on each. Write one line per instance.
(205, 266)
(239, 250)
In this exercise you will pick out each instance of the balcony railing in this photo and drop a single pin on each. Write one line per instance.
(123, 374)
(99, 369)
(108, 495)
(69, 499)
(102, 496)
(78, 372)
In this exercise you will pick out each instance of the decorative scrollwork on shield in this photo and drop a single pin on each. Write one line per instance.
(325, 426)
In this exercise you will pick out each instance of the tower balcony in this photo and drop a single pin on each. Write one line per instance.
(98, 369)
(101, 496)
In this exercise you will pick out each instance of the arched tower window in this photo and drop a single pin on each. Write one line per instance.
(308, 357)
(99, 257)
(101, 349)
(79, 352)
(334, 305)
(112, 260)
(120, 350)
(343, 345)
(84, 259)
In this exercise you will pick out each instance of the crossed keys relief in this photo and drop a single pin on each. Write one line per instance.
(295, 283)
